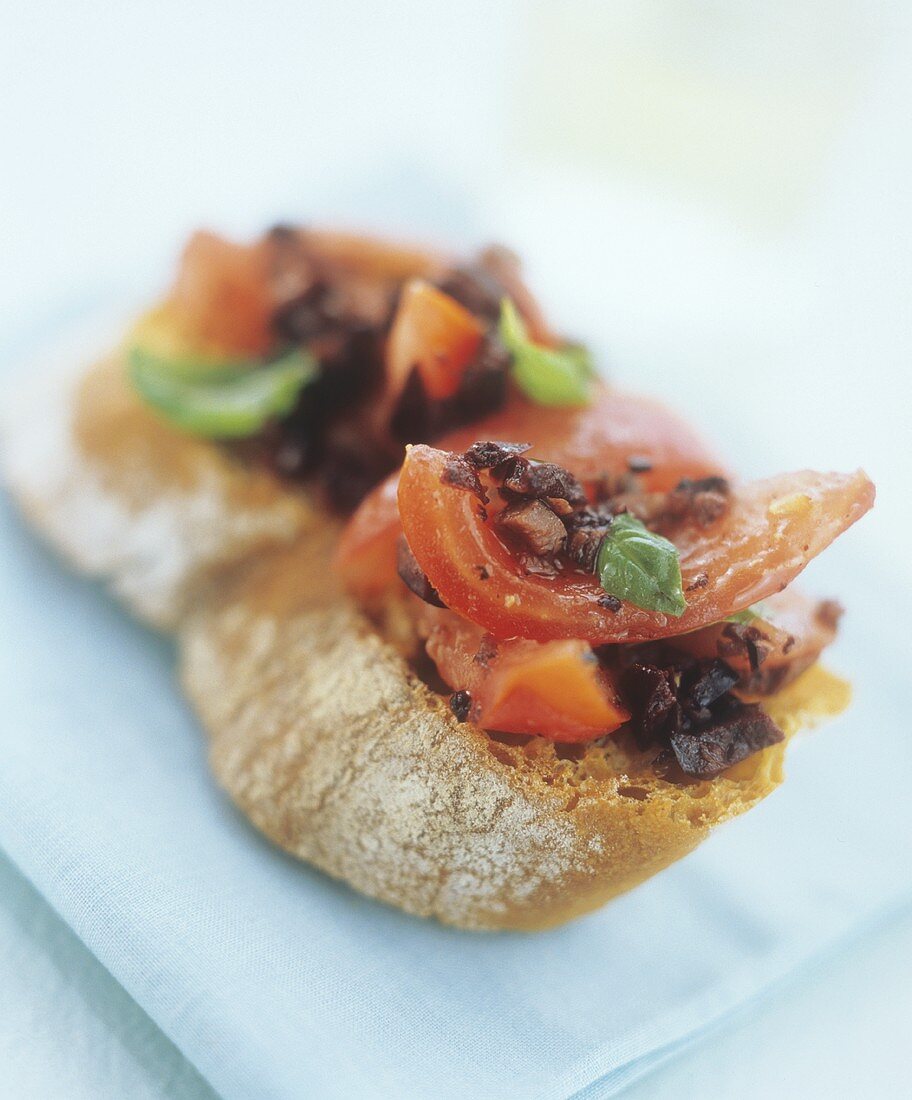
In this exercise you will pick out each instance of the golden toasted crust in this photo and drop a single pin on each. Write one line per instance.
(332, 746)
(155, 514)
(319, 730)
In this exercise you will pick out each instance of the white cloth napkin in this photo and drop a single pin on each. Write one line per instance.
(277, 982)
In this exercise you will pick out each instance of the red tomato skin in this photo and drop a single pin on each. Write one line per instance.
(593, 441)
(554, 690)
(222, 295)
(433, 333)
(753, 552)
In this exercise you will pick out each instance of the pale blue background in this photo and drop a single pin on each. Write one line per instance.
(709, 192)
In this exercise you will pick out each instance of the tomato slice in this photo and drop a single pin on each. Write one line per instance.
(772, 530)
(796, 629)
(594, 441)
(555, 690)
(599, 439)
(433, 332)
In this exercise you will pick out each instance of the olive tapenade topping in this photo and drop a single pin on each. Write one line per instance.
(525, 478)
(585, 530)
(705, 752)
(460, 705)
(689, 708)
(533, 525)
(549, 521)
(610, 603)
(459, 473)
(703, 501)
(486, 454)
(477, 287)
(746, 639)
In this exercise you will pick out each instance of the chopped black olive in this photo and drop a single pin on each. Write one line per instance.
(706, 751)
(460, 474)
(487, 454)
(460, 705)
(687, 706)
(741, 638)
(533, 525)
(703, 501)
(541, 479)
(413, 576)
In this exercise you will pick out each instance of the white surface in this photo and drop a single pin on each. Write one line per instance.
(68, 1031)
(786, 277)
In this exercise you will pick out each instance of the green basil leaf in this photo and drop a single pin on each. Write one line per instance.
(156, 341)
(641, 567)
(229, 405)
(188, 368)
(747, 615)
(549, 376)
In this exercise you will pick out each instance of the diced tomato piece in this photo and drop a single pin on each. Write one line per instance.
(552, 689)
(595, 441)
(433, 332)
(222, 298)
(795, 628)
(771, 531)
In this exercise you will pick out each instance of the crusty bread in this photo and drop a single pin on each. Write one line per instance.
(154, 514)
(340, 754)
(320, 731)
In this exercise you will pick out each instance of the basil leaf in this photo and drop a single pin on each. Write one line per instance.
(188, 368)
(641, 567)
(747, 615)
(549, 376)
(225, 406)
(156, 341)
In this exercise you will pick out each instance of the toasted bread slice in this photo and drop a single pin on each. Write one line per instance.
(320, 731)
(155, 514)
(338, 752)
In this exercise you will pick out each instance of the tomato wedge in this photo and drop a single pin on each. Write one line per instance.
(555, 690)
(772, 530)
(222, 298)
(433, 332)
(593, 441)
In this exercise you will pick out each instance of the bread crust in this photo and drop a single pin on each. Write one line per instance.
(155, 515)
(319, 729)
(335, 749)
